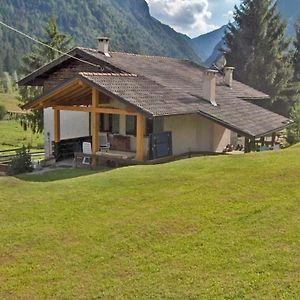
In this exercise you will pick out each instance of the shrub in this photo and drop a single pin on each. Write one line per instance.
(21, 163)
(293, 132)
(2, 112)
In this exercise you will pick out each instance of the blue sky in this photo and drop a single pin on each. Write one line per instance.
(193, 17)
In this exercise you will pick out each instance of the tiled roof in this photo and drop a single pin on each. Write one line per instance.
(159, 100)
(173, 73)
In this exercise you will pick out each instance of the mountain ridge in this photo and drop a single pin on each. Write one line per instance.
(127, 22)
(289, 10)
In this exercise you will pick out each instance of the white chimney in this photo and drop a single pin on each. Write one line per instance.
(228, 78)
(209, 86)
(103, 43)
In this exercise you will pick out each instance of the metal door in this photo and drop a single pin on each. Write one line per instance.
(160, 145)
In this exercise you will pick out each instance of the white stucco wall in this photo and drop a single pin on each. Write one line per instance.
(72, 125)
(193, 133)
(222, 137)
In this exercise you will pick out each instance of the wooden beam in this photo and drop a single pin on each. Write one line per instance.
(253, 145)
(103, 110)
(56, 125)
(95, 123)
(140, 130)
(82, 98)
(247, 145)
(77, 92)
(63, 91)
(273, 138)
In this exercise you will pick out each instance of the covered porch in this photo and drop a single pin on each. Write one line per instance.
(108, 135)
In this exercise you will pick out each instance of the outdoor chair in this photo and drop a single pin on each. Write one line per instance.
(86, 150)
(104, 144)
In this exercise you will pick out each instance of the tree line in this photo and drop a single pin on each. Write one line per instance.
(264, 58)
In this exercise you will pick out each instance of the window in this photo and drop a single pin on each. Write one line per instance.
(131, 125)
(109, 123)
(115, 126)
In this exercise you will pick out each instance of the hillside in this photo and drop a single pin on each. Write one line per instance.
(290, 11)
(127, 22)
(225, 227)
(207, 46)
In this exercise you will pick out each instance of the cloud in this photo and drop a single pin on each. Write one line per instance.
(229, 15)
(189, 16)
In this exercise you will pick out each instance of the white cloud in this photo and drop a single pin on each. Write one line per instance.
(229, 15)
(189, 16)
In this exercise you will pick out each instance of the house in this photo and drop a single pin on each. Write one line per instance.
(151, 106)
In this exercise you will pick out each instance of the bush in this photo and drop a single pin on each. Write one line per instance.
(2, 112)
(293, 132)
(21, 163)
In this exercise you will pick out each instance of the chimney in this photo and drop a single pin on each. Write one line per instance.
(209, 86)
(103, 43)
(228, 76)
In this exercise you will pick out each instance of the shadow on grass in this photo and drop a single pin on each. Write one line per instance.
(59, 174)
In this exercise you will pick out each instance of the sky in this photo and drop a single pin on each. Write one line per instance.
(193, 17)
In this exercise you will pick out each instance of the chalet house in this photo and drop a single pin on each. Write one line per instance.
(148, 107)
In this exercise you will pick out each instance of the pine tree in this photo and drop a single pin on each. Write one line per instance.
(296, 59)
(258, 48)
(293, 132)
(39, 56)
(292, 93)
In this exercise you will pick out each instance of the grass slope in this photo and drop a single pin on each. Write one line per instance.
(10, 102)
(13, 136)
(203, 228)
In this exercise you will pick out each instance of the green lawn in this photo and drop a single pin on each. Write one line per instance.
(224, 227)
(10, 102)
(12, 135)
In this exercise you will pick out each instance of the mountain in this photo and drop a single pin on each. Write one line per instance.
(290, 10)
(127, 22)
(208, 45)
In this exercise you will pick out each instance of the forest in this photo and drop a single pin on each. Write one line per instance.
(127, 23)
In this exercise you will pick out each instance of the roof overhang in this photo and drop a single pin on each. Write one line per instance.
(37, 77)
(77, 91)
(244, 132)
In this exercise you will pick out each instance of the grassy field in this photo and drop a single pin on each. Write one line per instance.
(10, 102)
(12, 134)
(223, 227)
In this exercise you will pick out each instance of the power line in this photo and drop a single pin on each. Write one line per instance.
(48, 46)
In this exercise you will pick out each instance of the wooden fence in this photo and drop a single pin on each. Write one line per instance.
(7, 155)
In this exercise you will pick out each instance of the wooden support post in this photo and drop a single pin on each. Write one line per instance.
(246, 147)
(253, 145)
(56, 125)
(262, 141)
(95, 120)
(140, 130)
(122, 125)
(273, 138)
